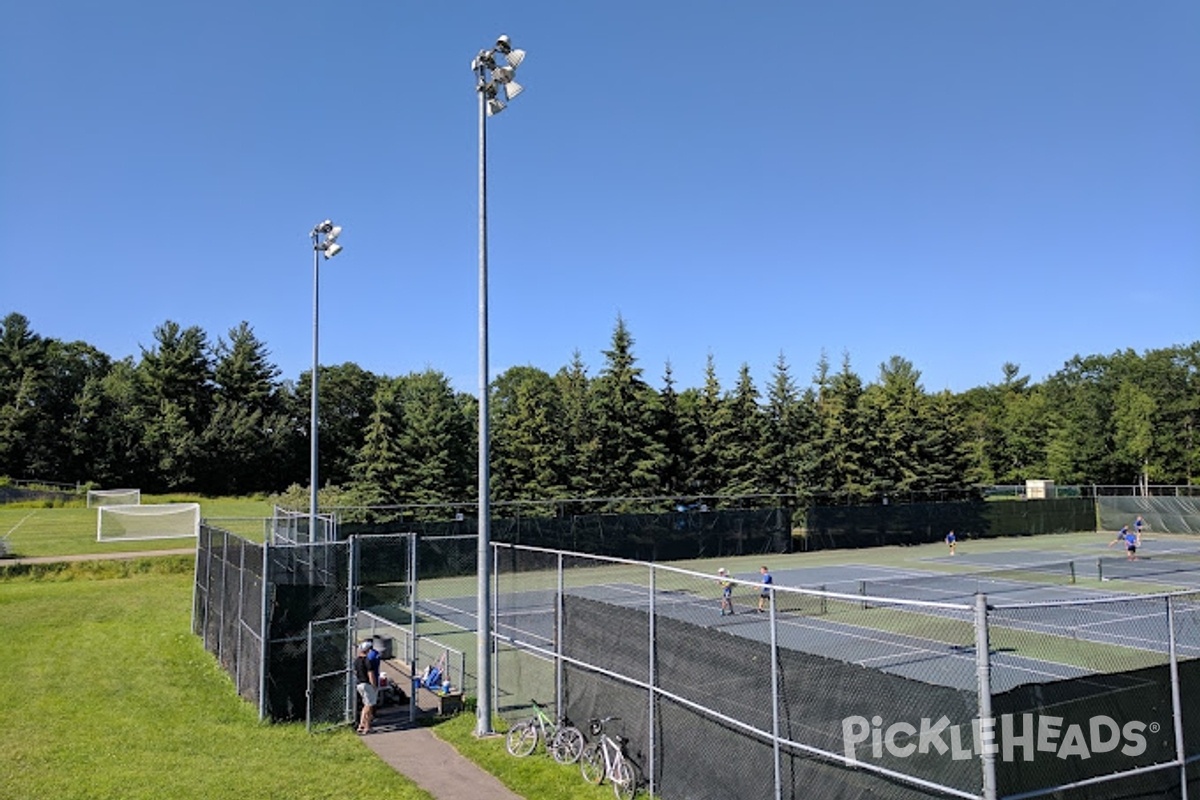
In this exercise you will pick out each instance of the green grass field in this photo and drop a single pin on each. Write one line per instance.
(106, 694)
(32, 531)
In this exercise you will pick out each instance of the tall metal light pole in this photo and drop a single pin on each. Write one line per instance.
(324, 241)
(495, 70)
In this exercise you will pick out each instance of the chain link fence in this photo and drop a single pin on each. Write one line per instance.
(282, 619)
(829, 694)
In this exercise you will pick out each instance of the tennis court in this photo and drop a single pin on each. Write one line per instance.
(846, 613)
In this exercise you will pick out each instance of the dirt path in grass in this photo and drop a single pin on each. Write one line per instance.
(182, 551)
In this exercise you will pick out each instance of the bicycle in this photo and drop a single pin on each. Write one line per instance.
(562, 739)
(605, 758)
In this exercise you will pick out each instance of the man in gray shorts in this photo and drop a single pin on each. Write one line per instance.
(367, 690)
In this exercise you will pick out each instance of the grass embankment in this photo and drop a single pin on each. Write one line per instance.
(107, 694)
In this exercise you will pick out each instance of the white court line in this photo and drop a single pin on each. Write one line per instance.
(19, 524)
(1146, 643)
(947, 652)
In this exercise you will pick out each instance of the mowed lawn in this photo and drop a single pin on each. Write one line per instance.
(30, 531)
(105, 693)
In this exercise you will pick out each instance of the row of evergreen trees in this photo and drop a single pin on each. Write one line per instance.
(217, 419)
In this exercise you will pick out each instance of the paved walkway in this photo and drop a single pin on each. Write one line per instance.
(412, 750)
(182, 551)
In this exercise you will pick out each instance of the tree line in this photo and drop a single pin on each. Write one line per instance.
(216, 418)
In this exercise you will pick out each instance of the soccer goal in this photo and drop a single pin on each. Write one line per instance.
(291, 527)
(113, 497)
(160, 521)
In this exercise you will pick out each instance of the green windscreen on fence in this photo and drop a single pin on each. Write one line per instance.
(821, 699)
(664, 536)
(832, 527)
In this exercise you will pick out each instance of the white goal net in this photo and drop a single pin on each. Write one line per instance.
(292, 527)
(160, 521)
(113, 497)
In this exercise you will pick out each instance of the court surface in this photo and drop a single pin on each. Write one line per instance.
(935, 645)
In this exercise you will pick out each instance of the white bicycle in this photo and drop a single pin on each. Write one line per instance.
(605, 757)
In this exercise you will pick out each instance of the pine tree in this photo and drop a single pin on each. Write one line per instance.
(527, 441)
(631, 456)
(377, 475)
(782, 432)
(741, 437)
(707, 474)
(576, 468)
(674, 428)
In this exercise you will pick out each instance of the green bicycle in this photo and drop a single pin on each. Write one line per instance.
(562, 739)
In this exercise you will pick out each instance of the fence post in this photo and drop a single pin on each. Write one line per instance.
(775, 698)
(238, 655)
(308, 685)
(201, 541)
(412, 623)
(493, 643)
(264, 632)
(559, 700)
(352, 580)
(987, 725)
(653, 685)
(1176, 700)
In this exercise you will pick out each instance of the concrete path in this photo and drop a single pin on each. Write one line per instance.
(412, 750)
(182, 551)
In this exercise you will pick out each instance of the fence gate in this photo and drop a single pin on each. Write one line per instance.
(330, 693)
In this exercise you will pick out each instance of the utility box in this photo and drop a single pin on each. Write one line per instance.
(1039, 490)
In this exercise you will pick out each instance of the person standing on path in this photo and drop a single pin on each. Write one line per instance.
(764, 594)
(374, 662)
(367, 689)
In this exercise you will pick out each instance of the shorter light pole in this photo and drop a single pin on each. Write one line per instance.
(324, 240)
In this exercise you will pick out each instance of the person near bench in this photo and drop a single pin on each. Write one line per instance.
(367, 689)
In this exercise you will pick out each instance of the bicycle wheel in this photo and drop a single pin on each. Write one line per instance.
(624, 782)
(567, 745)
(591, 763)
(522, 738)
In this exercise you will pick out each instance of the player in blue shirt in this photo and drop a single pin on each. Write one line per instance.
(764, 594)
(951, 540)
(1131, 542)
(726, 591)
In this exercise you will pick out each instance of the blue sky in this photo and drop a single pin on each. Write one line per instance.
(960, 184)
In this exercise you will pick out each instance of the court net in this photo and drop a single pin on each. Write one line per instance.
(1148, 567)
(959, 587)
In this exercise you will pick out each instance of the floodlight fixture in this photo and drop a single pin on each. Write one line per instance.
(515, 58)
(503, 44)
(494, 107)
(323, 236)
